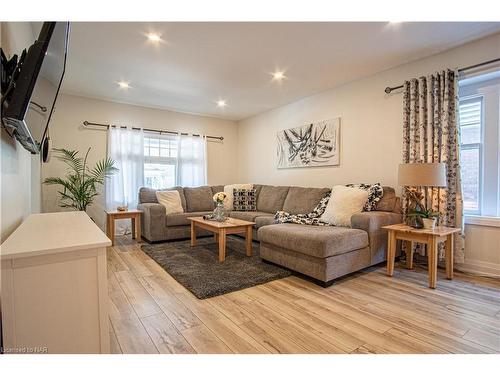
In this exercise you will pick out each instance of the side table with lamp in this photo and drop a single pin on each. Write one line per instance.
(421, 175)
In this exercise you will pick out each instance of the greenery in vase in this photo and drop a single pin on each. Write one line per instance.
(79, 188)
(424, 213)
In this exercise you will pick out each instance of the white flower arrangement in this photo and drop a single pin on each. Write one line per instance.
(219, 197)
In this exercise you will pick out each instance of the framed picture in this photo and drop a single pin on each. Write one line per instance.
(313, 145)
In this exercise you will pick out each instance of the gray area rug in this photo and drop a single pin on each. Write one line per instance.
(198, 268)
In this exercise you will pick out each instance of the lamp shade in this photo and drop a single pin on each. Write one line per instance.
(422, 174)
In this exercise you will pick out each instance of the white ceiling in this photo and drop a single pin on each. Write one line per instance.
(199, 63)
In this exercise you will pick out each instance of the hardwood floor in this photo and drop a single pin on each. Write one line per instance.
(364, 313)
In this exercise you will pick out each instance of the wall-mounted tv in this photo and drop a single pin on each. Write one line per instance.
(29, 97)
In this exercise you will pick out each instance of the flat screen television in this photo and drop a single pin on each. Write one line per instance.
(30, 98)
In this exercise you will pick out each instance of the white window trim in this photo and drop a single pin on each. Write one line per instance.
(487, 221)
(479, 146)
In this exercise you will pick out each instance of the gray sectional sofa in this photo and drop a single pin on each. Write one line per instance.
(321, 252)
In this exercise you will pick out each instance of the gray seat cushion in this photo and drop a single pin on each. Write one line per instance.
(301, 200)
(199, 199)
(249, 215)
(316, 241)
(264, 220)
(271, 198)
(174, 220)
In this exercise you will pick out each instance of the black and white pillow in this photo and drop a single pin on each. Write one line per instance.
(375, 194)
(244, 200)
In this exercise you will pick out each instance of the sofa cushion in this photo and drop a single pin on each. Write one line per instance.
(199, 199)
(300, 200)
(217, 189)
(344, 202)
(316, 241)
(260, 221)
(375, 194)
(249, 215)
(388, 201)
(244, 200)
(148, 195)
(229, 189)
(171, 200)
(174, 220)
(271, 198)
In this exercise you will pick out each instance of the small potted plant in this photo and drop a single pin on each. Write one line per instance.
(219, 212)
(427, 216)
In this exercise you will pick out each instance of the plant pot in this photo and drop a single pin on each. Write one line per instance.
(429, 223)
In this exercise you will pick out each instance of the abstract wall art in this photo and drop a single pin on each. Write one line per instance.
(313, 145)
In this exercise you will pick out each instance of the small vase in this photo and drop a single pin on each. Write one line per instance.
(220, 213)
(429, 223)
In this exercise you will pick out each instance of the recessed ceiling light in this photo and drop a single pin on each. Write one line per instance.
(278, 75)
(124, 85)
(153, 37)
(221, 103)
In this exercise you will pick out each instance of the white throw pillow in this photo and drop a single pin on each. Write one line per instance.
(228, 189)
(344, 202)
(171, 200)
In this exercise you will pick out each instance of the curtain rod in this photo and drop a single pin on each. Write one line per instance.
(389, 89)
(87, 123)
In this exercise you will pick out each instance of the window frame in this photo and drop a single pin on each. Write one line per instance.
(164, 160)
(472, 146)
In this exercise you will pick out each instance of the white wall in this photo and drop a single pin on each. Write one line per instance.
(66, 131)
(20, 171)
(371, 129)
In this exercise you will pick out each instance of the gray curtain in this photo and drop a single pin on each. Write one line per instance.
(431, 135)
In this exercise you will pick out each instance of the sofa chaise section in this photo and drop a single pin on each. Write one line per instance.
(325, 252)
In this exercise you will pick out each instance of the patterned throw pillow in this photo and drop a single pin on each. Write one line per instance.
(244, 200)
(375, 194)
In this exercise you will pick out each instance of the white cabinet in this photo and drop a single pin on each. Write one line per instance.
(54, 291)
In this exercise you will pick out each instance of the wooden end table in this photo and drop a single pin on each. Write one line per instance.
(221, 229)
(134, 215)
(431, 237)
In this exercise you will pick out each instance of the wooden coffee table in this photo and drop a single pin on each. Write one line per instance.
(431, 237)
(220, 230)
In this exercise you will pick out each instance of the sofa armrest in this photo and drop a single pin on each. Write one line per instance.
(372, 222)
(153, 221)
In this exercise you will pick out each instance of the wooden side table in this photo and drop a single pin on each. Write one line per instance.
(431, 237)
(134, 215)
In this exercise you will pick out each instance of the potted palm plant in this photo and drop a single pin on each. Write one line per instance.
(79, 188)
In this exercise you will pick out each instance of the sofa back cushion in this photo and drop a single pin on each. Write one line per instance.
(217, 189)
(301, 200)
(388, 201)
(199, 199)
(148, 195)
(271, 198)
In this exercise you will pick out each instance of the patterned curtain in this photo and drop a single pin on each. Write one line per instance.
(431, 135)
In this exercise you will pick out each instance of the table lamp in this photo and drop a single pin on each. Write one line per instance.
(421, 175)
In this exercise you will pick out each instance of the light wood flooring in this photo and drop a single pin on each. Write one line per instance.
(367, 312)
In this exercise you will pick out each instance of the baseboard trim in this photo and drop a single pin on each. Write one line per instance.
(479, 268)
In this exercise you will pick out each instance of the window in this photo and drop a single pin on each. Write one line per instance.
(470, 119)
(171, 160)
(160, 161)
(479, 120)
